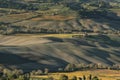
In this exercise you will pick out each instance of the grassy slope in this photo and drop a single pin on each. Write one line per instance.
(57, 52)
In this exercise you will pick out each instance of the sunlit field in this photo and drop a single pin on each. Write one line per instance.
(102, 74)
(56, 35)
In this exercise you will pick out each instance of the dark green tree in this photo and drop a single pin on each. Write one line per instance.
(95, 78)
(70, 67)
(90, 77)
(80, 78)
(63, 77)
(84, 77)
(74, 78)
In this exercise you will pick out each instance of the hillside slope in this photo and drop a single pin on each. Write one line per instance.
(50, 52)
(39, 16)
(39, 33)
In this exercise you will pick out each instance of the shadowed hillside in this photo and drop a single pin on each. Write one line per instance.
(58, 52)
(53, 33)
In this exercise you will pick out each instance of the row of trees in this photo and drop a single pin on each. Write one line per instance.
(36, 6)
(65, 77)
(18, 74)
(74, 67)
(90, 77)
(39, 72)
(7, 74)
(15, 74)
(12, 73)
(77, 67)
(31, 6)
(8, 30)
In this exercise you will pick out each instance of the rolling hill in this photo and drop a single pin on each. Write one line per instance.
(40, 33)
(33, 52)
(60, 17)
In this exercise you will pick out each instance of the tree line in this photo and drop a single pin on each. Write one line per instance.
(18, 74)
(82, 66)
(36, 4)
(8, 29)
